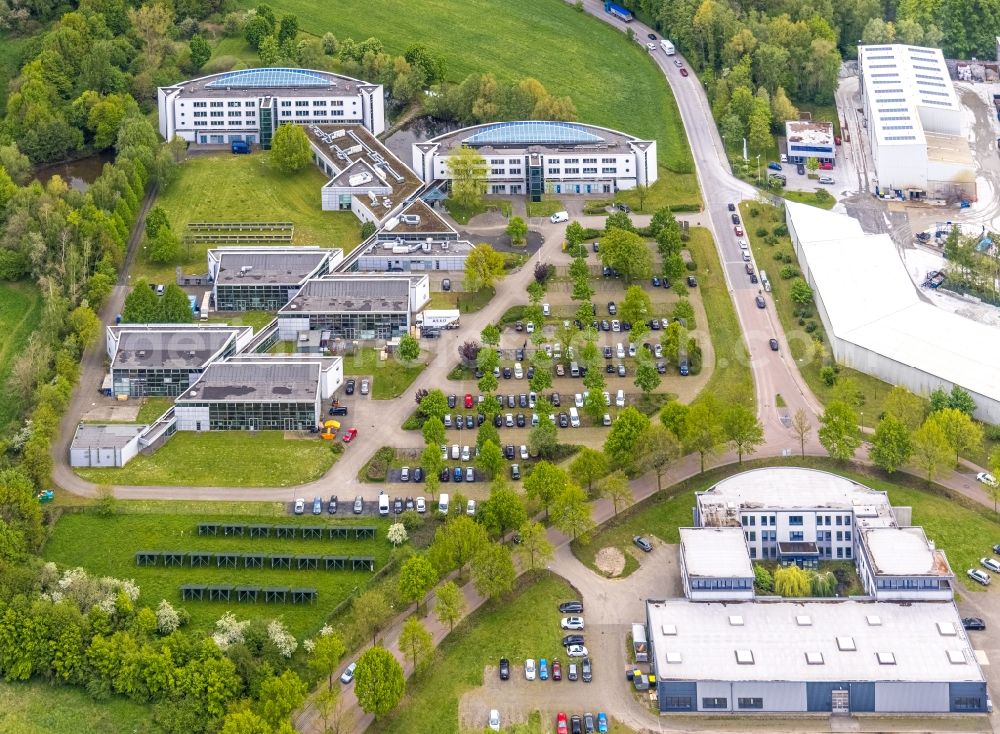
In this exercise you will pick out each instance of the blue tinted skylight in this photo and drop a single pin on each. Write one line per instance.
(526, 133)
(270, 78)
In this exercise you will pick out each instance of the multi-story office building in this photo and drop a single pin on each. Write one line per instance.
(249, 105)
(416, 240)
(264, 278)
(806, 139)
(715, 564)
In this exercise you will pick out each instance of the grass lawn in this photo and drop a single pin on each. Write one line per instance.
(678, 192)
(462, 214)
(464, 302)
(820, 198)
(544, 208)
(543, 39)
(802, 345)
(107, 547)
(20, 312)
(432, 696)
(238, 188)
(732, 379)
(225, 459)
(390, 378)
(40, 708)
(153, 408)
(257, 319)
(231, 53)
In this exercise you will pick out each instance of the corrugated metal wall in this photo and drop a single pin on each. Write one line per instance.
(819, 695)
(777, 695)
(715, 689)
(909, 696)
(665, 689)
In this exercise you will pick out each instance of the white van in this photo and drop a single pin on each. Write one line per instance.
(574, 418)
(764, 281)
(620, 351)
(620, 399)
(443, 503)
(383, 504)
(574, 369)
(454, 451)
(559, 217)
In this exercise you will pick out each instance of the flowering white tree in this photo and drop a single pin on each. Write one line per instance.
(397, 534)
(167, 618)
(282, 639)
(229, 630)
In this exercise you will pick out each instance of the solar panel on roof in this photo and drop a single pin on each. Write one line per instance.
(527, 132)
(270, 78)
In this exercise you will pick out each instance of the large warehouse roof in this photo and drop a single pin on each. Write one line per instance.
(810, 641)
(871, 302)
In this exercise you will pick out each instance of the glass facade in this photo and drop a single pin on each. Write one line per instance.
(257, 416)
(361, 325)
(137, 383)
(252, 297)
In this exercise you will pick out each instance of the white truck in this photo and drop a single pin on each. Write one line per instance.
(667, 46)
(445, 318)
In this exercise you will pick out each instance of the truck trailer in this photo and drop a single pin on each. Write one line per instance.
(623, 14)
(445, 318)
(668, 47)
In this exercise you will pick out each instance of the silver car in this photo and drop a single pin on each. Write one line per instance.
(364, 387)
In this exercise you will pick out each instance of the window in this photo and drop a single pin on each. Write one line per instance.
(319, 113)
(199, 104)
(251, 104)
(286, 103)
(847, 535)
(796, 536)
(840, 552)
(234, 104)
(515, 172)
(840, 535)
(338, 113)
(572, 170)
(496, 171)
(839, 520)
(200, 122)
(200, 114)
(847, 552)
(338, 103)
(750, 703)
(217, 123)
(590, 170)
(753, 520)
(967, 703)
(746, 521)
(752, 536)
(236, 114)
(590, 160)
(678, 702)
(609, 170)
(319, 103)
(216, 104)
(753, 552)
(302, 103)
(571, 160)
(714, 703)
(251, 113)
(795, 519)
(555, 171)
(302, 113)
(286, 113)
(608, 160)
(220, 113)
(847, 520)
(497, 161)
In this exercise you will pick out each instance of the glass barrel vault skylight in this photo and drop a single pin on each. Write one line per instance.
(270, 78)
(526, 133)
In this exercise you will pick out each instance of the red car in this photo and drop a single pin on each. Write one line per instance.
(826, 166)
(738, 230)
(468, 400)
(350, 435)
(684, 72)
(556, 670)
(562, 727)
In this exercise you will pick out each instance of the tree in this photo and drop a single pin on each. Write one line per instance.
(269, 51)
(534, 546)
(627, 253)
(910, 409)
(416, 577)
(456, 543)
(801, 427)
(468, 172)
(290, 149)
(200, 52)
(800, 292)
(536, 292)
(759, 127)
(164, 246)
(623, 441)
(409, 348)
(490, 460)
(484, 266)
(702, 429)
(963, 434)
(415, 641)
(659, 448)
(959, 399)
(839, 433)
(763, 582)
(931, 450)
(279, 696)
(490, 335)
(616, 488)
(450, 605)
(493, 570)
(543, 438)
(378, 681)
(742, 429)
(141, 305)
(433, 432)
(647, 378)
(636, 306)
(433, 404)
(85, 324)
(327, 651)
(256, 30)
(588, 466)
(517, 230)
(502, 511)
(175, 308)
(571, 512)
(791, 581)
(370, 610)
(288, 28)
(891, 447)
(545, 483)
(641, 192)
(812, 164)
(244, 722)
(619, 220)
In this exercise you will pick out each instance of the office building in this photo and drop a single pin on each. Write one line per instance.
(104, 445)
(805, 139)
(264, 278)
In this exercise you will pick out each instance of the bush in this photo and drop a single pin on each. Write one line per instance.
(596, 206)
(337, 447)
(771, 240)
(992, 432)
(778, 257)
(514, 313)
(810, 327)
(378, 466)
(787, 259)
(761, 232)
(788, 272)
(828, 375)
(592, 234)
(416, 421)
(691, 266)
(802, 321)
(781, 230)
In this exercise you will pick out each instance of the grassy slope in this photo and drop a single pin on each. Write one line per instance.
(72, 544)
(20, 312)
(224, 458)
(244, 188)
(39, 708)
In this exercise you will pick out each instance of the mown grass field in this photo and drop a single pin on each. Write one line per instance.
(390, 378)
(122, 535)
(613, 82)
(245, 188)
(224, 459)
(20, 313)
(40, 708)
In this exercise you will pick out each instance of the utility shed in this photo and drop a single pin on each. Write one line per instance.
(98, 444)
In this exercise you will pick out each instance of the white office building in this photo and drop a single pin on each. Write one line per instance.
(248, 105)
(715, 564)
(914, 124)
(805, 139)
(878, 323)
(537, 157)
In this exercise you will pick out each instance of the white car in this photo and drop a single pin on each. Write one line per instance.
(631, 350)
(470, 509)
(530, 327)
(532, 399)
(421, 504)
(529, 669)
(658, 351)
(444, 452)
(524, 452)
(572, 623)
(578, 400)
(651, 47)
(300, 506)
(826, 180)
(546, 310)
(364, 387)
(979, 576)
(607, 419)
(616, 325)
(494, 721)
(607, 398)
(465, 453)
(576, 651)
(619, 351)
(990, 563)
(348, 675)
(743, 243)
(988, 479)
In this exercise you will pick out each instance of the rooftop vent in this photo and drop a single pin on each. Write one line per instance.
(735, 620)
(885, 658)
(846, 644)
(814, 658)
(673, 657)
(669, 629)
(142, 352)
(803, 620)
(946, 629)
(874, 620)
(957, 657)
(744, 657)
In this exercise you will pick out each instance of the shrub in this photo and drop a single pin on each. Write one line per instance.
(691, 266)
(781, 230)
(416, 421)
(754, 211)
(778, 257)
(761, 232)
(788, 272)
(514, 313)
(810, 327)
(337, 447)
(378, 466)
(828, 375)
(802, 321)
(787, 258)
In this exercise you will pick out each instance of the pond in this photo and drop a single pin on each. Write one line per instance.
(79, 174)
(417, 130)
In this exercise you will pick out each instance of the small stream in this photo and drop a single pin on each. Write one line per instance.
(79, 174)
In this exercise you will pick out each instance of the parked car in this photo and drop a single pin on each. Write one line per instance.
(587, 671)
(773, 166)
(988, 479)
(735, 218)
(571, 623)
(543, 669)
(826, 166)
(365, 385)
(529, 669)
(760, 301)
(588, 723)
(332, 506)
(317, 505)
(684, 72)
(991, 563)
(300, 506)
(973, 623)
(692, 282)
(602, 722)
(577, 651)
(349, 387)
(978, 576)
(562, 725)
(738, 230)
(515, 471)
(572, 672)
(404, 474)
(351, 434)
(504, 669)
(575, 725)
(494, 720)
(572, 640)
(421, 504)
(828, 180)
(397, 506)
(643, 544)
(470, 508)
(773, 343)
(571, 607)
(348, 674)
(359, 505)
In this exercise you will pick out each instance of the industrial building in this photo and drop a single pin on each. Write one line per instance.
(715, 564)
(877, 322)
(264, 278)
(165, 359)
(355, 306)
(831, 656)
(914, 124)
(276, 393)
(805, 139)
(248, 105)
(537, 157)
(417, 240)
(104, 445)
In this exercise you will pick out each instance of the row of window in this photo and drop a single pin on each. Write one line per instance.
(503, 172)
(902, 583)
(315, 102)
(684, 703)
(312, 113)
(721, 583)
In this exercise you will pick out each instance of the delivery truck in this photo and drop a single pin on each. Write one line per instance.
(445, 318)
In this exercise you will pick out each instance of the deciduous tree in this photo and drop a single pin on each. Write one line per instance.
(616, 488)
(468, 173)
(791, 581)
(517, 230)
(409, 348)
(327, 651)
(371, 610)
(839, 432)
(891, 447)
(703, 429)
(378, 681)
(450, 604)
(624, 438)
(534, 547)
(545, 483)
(627, 253)
(503, 511)
(742, 429)
(801, 427)
(456, 543)
(490, 460)
(417, 576)
(910, 409)
(279, 696)
(931, 450)
(493, 570)
(660, 447)
(415, 641)
(484, 266)
(588, 467)
(571, 512)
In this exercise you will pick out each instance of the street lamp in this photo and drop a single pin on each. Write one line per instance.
(862, 421)
(758, 169)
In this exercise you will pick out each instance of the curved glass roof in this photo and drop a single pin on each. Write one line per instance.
(532, 131)
(270, 78)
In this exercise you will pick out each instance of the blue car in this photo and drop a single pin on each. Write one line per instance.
(457, 475)
(543, 669)
(774, 166)
(602, 722)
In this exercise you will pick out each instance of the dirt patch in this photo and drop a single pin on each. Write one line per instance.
(610, 561)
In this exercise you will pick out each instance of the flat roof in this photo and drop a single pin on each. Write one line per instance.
(357, 293)
(809, 133)
(904, 552)
(790, 488)
(270, 266)
(142, 348)
(844, 641)
(716, 552)
(427, 221)
(105, 435)
(536, 135)
(952, 150)
(266, 82)
(264, 381)
(872, 302)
